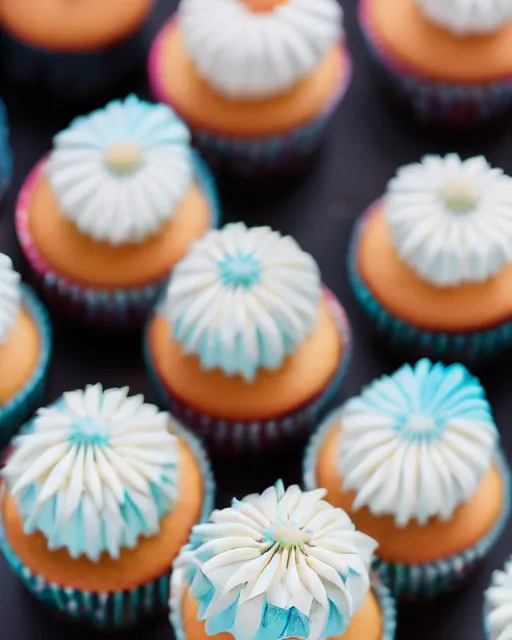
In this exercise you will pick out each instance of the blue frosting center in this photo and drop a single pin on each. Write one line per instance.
(240, 270)
(86, 431)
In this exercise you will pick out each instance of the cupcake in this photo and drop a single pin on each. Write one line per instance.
(100, 493)
(76, 50)
(281, 564)
(498, 605)
(105, 216)
(247, 348)
(25, 346)
(431, 261)
(452, 64)
(5, 151)
(256, 80)
(415, 461)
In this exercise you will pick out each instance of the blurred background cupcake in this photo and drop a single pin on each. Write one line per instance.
(256, 80)
(276, 565)
(103, 219)
(247, 348)
(101, 491)
(5, 151)
(498, 605)
(416, 463)
(25, 346)
(74, 50)
(453, 62)
(431, 262)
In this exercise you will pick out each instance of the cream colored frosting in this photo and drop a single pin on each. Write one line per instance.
(10, 297)
(499, 602)
(468, 17)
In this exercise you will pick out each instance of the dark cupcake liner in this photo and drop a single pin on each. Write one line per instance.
(456, 346)
(228, 437)
(122, 309)
(426, 580)
(114, 610)
(5, 151)
(432, 101)
(285, 152)
(14, 412)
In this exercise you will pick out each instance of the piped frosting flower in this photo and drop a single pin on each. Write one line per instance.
(96, 471)
(120, 173)
(278, 564)
(243, 299)
(250, 49)
(499, 602)
(467, 17)
(450, 219)
(415, 445)
(10, 297)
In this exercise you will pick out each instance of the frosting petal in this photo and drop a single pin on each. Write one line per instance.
(467, 17)
(10, 297)
(415, 445)
(499, 601)
(243, 299)
(96, 472)
(120, 173)
(450, 219)
(278, 564)
(245, 54)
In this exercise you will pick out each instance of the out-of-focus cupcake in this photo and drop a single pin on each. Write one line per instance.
(452, 63)
(415, 461)
(255, 80)
(5, 151)
(76, 51)
(103, 219)
(431, 262)
(498, 605)
(248, 348)
(25, 346)
(281, 564)
(101, 492)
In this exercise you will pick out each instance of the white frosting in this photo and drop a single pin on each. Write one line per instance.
(417, 444)
(243, 299)
(251, 55)
(289, 549)
(10, 297)
(120, 173)
(499, 602)
(467, 17)
(451, 220)
(97, 470)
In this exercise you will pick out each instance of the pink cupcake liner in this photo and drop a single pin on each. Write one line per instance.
(252, 157)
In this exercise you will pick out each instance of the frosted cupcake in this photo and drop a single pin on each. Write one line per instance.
(431, 262)
(256, 80)
(75, 50)
(5, 151)
(247, 348)
(103, 219)
(498, 605)
(452, 64)
(101, 491)
(415, 461)
(281, 564)
(25, 346)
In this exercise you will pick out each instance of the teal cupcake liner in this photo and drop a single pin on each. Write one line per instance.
(465, 346)
(179, 584)
(14, 412)
(115, 610)
(425, 580)
(5, 151)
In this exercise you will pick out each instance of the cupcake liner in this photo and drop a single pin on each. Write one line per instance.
(14, 412)
(124, 309)
(425, 580)
(179, 584)
(228, 437)
(75, 75)
(114, 610)
(433, 101)
(285, 152)
(465, 346)
(5, 151)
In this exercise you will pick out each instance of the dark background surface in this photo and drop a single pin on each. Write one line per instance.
(368, 141)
